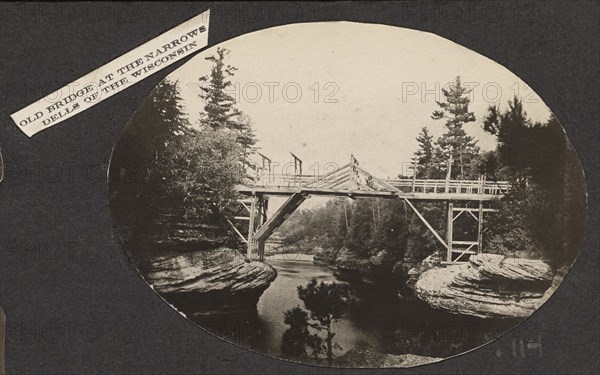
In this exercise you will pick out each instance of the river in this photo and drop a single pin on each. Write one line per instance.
(379, 320)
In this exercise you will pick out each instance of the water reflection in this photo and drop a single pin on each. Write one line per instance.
(378, 319)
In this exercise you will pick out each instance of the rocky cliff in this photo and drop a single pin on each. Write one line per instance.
(191, 263)
(203, 283)
(488, 286)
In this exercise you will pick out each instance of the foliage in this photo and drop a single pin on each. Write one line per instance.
(378, 234)
(168, 158)
(322, 227)
(135, 169)
(162, 165)
(511, 232)
(513, 130)
(420, 242)
(488, 165)
(455, 144)
(541, 216)
(456, 107)
(298, 338)
(219, 109)
(220, 112)
(245, 134)
(537, 214)
(325, 304)
(424, 159)
(204, 171)
(373, 225)
(152, 134)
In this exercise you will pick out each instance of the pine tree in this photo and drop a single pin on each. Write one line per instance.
(298, 338)
(151, 136)
(161, 117)
(360, 231)
(424, 156)
(326, 303)
(219, 110)
(455, 143)
(545, 205)
(513, 130)
(245, 134)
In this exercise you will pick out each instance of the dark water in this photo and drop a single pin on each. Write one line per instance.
(379, 319)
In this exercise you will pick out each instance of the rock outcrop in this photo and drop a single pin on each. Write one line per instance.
(361, 357)
(204, 283)
(488, 286)
(349, 267)
(192, 264)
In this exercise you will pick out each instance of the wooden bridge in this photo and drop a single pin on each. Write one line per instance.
(462, 197)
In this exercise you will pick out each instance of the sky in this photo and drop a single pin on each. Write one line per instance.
(327, 90)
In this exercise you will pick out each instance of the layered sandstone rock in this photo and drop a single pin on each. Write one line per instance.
(203, 283)
(191, 263)
(488, 286)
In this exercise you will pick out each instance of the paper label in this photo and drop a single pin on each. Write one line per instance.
(181, 41)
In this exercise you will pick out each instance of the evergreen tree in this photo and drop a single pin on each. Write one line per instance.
(528, 151)
(361, 229)
(488, 164)
(205, 170)
(298, 338)
(162, 163)
(219, 110)
(543, 206)
(424, 157)
(245, 134)
(455, 144)
(325, 304)
(548, 156)
(512, 129)
(152, 135)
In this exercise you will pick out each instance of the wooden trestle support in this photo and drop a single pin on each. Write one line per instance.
(457, 249)
(260, 225)
(472, 200)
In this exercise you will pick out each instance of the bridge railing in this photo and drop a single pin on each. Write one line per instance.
(278, 180)
(407, 185)
(451, 186)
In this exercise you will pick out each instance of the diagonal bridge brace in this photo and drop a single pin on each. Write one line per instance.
(256, 240)
(431, 229)
(286, 209)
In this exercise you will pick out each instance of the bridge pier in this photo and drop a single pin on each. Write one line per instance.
(259, 205)
(457, 249)
(256, 206)
(462, 248)
(261, 226)
(449, 230)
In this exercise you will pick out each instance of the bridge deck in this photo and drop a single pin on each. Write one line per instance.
(418, 196)
(353, 181)
(471, 190)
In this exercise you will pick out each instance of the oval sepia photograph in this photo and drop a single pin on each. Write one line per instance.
(348, 195)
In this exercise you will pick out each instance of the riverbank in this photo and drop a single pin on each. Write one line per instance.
(379, 325)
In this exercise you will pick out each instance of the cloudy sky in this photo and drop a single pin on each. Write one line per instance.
(327, 90)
